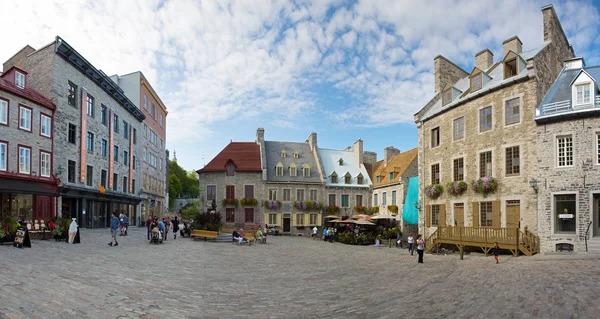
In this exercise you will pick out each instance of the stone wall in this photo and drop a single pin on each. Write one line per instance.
(446, 72)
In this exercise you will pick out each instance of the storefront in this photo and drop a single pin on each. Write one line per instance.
(27, 200)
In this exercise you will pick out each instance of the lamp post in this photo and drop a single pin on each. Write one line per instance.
(533, 184)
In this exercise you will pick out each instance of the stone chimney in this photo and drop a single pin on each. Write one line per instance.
(358, 151)
(553, 30)
(513, 44)
(260, 135)
(484, 59)
(388, 153)
(574, 63)
(369, 157)
(312, 141)
(446, 72)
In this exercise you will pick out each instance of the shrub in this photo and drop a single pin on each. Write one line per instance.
(208, 221)
(359, 209)
(190, 211)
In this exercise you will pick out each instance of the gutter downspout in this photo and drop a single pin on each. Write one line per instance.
(422, 175)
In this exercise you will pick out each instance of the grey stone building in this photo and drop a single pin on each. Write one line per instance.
(28, 187)
(96, 133)
(568, 161)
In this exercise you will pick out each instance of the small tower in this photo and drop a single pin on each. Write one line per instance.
(175, 155)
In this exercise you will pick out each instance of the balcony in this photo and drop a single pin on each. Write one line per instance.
(563, 107)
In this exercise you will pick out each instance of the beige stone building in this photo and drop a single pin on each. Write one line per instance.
(479, 125)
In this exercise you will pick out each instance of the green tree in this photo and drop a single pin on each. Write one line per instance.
(175, 188)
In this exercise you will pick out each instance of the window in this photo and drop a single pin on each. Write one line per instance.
(45, 125)
(211, 193)
(435, 137)
(249, 191)
(230, 191)
(72, 133)
(90, 105)
(24, 160)
(145, 101)
(378, 179)
(25, 118)
(125, 185)
(332, 200)
(145, 154)
(565, 151)
(116, 154)
(283, 154)
(435, 215)
(306, 171)
(458, 128)
(299, 219)
(161, 120)
(249, 215)
(71, 172)
(313, 219)
(391, 176)
(300, 195)
(447, 96)
(104, 148)
(3, 157)
(134, 163)
(90, 142)
(295, 154)
(161, 163)
(125, 158)
(71, 95)
(19, 79)
(152, 110)
(393, 197)
(348, 179)
(476, 82)
(103, 115)
(286, 195)
(485, 164)
(116, 123)
(435, 174)
(230, 169)
(334, 178)
(510, 68)
(345, 200)
(45, 160)
(90, 176)
(3, 112)
(485, 119)
(384, 199)
(133, 186)
(279, 170)
(103, 178)
(565, 208)
(272, 219)
(512, 161)
(583, 94)
(358, 200)
(125, 130)
(313, 194)
(145, 130)
(512, 112)
(134, 136)
(597, 148)
(485, 214)
(459, 170)
(115, 182)
(360, 179)
(272, 194)
(293, 170)
(375, 200)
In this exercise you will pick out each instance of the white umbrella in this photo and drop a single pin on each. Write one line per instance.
(384, 217)
(363, 222)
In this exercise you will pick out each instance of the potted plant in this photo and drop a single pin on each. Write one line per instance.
(485, 185)
(434, 191)
(373, 210)
(456, 188)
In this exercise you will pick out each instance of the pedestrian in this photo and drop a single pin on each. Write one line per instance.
(331, 233)
(175, 227)
(114, 225)
(314, 234)
(496, 252)
(148, 224)
(420, 248)
(399, 239)
(378, 241)
(167, 223)
(126, 223)
(410, 243)
(325, 234)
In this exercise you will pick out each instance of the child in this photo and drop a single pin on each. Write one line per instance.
(378, 241)
(496, 252)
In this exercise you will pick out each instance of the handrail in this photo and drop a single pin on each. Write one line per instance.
(430, 241)
(515, 238)
(587, 233)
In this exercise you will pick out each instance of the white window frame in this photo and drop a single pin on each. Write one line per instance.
(491, 212)
(4, 111)
(479, 119)
(552, 209)
(289, 193)
(439, 163)
(43, 119)
(520, 97)
(45, 169)
(464, 167)
(272, 194)
(4, 157)
(479, 161)
(23, 171)
(576, 98)
(558, 149)
(454, 139)
(19, 79)
(316, 194)
(27, 118)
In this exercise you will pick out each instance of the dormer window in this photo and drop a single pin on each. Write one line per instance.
(19, 79)
(341, 162)
(293, 170)
(447, 96)
(305, 170)
(347, 178)
(378, 179)
(295, 154)
(391, 176)
(230, 169)
(360, 179)
(334, 178)
(283, 154)
(279, 169)
(510, 68)
(584, 94)
(476, 82)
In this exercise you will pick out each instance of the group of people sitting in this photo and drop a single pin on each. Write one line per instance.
(240, 236)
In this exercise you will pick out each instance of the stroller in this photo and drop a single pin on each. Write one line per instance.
(156, 236)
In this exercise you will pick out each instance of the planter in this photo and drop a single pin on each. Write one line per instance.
(249, 202)
(434, 191)
(230, 202)
(333, 209)
(272, 204)
(485, 185)
(393, 209)
(456, 188)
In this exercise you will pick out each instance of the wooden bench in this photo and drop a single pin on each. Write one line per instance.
(204, 234)
(250, 235)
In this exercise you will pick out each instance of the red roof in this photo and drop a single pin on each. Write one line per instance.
(26, 93)
(245, 156)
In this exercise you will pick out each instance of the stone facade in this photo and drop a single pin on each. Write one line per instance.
(446, 72)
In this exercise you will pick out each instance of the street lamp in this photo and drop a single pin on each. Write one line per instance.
(417, 206)
(533, 184)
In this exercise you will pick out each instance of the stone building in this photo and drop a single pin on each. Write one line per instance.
(390, 180)
(95, 132)
(153, 165)
(480, 125)
(568, 161)
(28, 186)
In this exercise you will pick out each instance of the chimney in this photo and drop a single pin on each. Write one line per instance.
(369, 157)
(574, 63)
(513, 44)
(553, 30)
(388, 153)
(484, 59)
(358, 151)
(312, 141)
(260, 135)
(446, 72)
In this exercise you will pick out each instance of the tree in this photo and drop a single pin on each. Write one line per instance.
(175, 189)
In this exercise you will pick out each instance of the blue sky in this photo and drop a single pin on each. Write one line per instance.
(343, 69)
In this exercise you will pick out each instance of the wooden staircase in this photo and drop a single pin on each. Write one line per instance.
(512, 239)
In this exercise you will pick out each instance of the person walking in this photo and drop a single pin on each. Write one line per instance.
(126, 223)
(420, 248)
(167, 223)
(496, 251)
(148, 224)
(411, 240)
(175, 227)
(314, 234)
(399, 239)
(114, 225)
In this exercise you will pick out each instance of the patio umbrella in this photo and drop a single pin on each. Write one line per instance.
(332, 216)
(363, 222)
(348, 221)
(334, 221)
(384, 217)
(360, 216)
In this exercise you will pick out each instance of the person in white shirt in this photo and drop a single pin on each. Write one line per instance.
(314, 234)
(410, 243)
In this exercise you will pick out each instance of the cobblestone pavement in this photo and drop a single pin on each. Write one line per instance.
(287, 278)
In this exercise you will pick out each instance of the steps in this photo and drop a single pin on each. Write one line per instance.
(594, 244)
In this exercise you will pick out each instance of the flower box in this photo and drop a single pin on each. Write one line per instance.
(249, 202)
(333, 209)
(360, 209)
(485, 185)
(272, 204)
(393, 209)
(230, 202)
(456, 188)
(434, 191)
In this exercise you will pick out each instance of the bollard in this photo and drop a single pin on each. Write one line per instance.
(462, 250)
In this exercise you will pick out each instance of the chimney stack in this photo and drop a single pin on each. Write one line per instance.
(388, 153)
(260, 135)
(358, 151)
(553, 30)
(446, 72)
(312, 141)
(484, 59)
(513, 44)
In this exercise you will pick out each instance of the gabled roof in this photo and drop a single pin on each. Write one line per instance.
(399, 163)
(273, 151)
(26, 93)
(579, 73)
(245, 155)
(330, 159)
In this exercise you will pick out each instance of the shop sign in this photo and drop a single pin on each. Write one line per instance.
(565, 216)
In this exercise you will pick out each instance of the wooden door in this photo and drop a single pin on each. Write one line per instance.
(513, 213)
(459, 214)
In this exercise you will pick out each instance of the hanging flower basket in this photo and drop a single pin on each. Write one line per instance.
(249, 202)
(373, 210)
(434, 191)
(485, 185)
(272, 204)
(456, 188)
(230, 202)
(300, 205)
(393, 209)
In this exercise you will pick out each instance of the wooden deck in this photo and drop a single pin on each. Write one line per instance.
(512, 239)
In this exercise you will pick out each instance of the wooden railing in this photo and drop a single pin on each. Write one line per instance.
(507, 238)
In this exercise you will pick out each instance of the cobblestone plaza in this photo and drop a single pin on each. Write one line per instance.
(290, 277)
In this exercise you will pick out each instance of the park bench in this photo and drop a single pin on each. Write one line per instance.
(204, 234)
(250, 235)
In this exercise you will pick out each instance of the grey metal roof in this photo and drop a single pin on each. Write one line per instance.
(305, 156)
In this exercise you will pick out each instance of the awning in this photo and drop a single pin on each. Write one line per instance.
(410, 214)
(18, 186)
(78, 192)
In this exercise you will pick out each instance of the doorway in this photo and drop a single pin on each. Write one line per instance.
(287, 218)
(596, 212)
(459, 214)
(513, 213)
